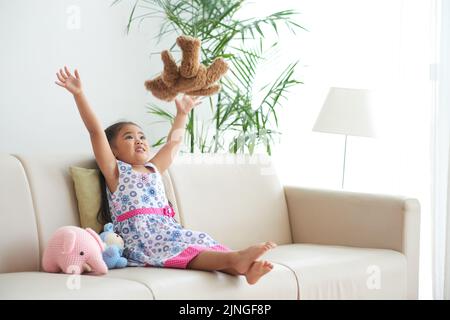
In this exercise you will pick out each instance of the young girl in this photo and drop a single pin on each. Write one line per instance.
(137, 204)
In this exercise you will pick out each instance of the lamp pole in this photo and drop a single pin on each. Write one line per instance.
(343, 169)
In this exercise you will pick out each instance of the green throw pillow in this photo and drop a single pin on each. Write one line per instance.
(88, 193)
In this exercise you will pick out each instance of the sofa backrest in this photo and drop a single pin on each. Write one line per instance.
(52, 191)
(19, 245)
(237, 199)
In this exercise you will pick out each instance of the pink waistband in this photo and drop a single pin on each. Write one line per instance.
(166, 211)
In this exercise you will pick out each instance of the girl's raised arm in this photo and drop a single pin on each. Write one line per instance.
(102, 151)
(165, 156)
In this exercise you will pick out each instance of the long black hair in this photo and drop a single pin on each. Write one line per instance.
(104, 215)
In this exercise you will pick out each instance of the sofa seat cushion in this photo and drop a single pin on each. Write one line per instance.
(49, 286)
(337, 272)
(178, 284)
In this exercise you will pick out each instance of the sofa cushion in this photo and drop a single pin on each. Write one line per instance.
(237, 199)
(178, 284)
(88, 192)
(337, 272)
(50, 286)
(19, 247)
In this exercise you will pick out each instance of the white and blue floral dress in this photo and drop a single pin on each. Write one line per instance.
(142, 215)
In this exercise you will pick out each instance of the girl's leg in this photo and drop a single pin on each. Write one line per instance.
(238, 262)
(211, 260)
(231, 271)
(256, 271)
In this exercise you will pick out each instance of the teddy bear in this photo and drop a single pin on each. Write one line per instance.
(191, 77)
(114, 245)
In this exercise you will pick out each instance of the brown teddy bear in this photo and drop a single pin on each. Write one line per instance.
(191, 77)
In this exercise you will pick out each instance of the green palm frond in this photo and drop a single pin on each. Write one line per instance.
(161, 141)
(277, 91)
(237, 125)
(160, 112)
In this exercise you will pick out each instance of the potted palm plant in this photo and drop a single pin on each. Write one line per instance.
(237, 124)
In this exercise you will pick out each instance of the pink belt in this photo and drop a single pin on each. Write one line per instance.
(166, 211)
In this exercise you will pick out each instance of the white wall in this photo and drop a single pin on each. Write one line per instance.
(39, 37)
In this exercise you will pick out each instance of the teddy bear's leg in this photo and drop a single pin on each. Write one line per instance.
(192, 84)
(215, 71)
(159, 89)
(206, 91)
(170, 74)
(190, 61)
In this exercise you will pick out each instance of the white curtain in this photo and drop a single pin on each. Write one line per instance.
(440, 143)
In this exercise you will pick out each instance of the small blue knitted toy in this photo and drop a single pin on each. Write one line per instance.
(114, 248)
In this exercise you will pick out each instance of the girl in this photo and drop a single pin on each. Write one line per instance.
(136, 201)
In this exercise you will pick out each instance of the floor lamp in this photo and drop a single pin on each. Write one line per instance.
(346, 111)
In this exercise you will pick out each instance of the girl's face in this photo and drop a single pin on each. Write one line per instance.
(130, 145)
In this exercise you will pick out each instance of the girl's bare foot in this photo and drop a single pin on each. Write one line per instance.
(257, 270)
(243, 259)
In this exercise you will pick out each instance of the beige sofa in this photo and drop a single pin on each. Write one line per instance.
(331, 244)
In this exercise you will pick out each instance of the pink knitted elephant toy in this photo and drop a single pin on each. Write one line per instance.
(74, 250)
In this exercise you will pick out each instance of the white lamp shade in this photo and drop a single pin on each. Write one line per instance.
(346, 111)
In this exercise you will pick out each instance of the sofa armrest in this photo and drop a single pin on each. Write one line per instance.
(352, 219)
(359, 220)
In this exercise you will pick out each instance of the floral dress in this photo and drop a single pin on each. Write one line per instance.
(141, 214)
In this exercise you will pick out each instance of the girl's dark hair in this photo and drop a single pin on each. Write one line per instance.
(104, 215)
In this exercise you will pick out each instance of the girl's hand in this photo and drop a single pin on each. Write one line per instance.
(68, 81)
(186, 104)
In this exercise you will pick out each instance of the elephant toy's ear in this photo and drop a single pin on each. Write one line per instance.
(97, 238)
(69, 242)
